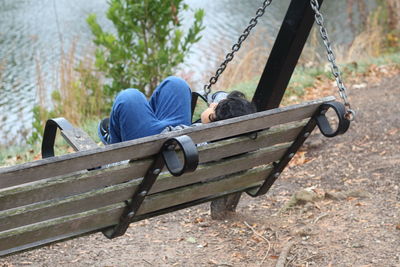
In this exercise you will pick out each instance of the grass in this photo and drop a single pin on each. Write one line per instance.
(304, 77)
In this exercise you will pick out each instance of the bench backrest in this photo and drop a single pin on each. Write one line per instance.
(57, 198)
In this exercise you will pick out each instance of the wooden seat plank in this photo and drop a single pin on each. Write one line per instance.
(273, 136)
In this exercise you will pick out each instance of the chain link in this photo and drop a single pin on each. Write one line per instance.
(228, 58)
(319, 19)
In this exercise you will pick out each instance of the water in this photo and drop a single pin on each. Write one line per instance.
(33, 34)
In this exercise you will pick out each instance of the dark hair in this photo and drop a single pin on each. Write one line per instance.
(234, 105)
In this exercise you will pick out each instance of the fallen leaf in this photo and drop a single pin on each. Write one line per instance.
(213, 262)
(237, 255)
(199, 220)
(256, 239)
(37, 156)
(298, 159)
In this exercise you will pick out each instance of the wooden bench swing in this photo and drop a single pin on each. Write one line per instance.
(61, 197)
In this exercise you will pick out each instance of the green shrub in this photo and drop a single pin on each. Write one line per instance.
(147, 45)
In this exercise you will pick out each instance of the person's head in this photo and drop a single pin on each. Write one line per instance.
(234, 105)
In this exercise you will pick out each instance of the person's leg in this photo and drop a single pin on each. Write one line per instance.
(171, 102)
(132, 117)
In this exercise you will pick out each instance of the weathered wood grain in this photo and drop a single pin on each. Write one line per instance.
(68, 185)
(94, 199)
(92, 220)
(78, 139)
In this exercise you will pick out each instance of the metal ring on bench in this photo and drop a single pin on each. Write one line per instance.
(190, 155)
(323, 122)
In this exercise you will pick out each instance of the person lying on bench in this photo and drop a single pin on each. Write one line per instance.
(169, 108)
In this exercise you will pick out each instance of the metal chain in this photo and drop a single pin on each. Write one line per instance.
(253, 22)
(319, 19)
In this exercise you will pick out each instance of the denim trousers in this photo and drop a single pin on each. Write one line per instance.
(133, 116)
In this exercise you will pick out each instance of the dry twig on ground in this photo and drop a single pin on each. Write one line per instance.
(262, 237)
(285, 251)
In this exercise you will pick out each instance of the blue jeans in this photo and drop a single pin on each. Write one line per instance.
(133, 116)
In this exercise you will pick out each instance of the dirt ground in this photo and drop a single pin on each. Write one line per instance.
(346, 211)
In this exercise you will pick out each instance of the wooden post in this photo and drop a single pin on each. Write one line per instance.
(222, 207)
(284, 55)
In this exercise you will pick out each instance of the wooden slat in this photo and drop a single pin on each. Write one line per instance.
(148, 146)
(64, 227)
(226, 148)
(106, 196)
(78, 139)
(97, 219)
(79, 183)
(70, 185)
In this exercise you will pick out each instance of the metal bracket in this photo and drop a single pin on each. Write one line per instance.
(49, 135)
(323, 123)
(167, 156)
(75, 137)
(319, 119)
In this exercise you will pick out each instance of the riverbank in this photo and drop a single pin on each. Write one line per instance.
(307, 83)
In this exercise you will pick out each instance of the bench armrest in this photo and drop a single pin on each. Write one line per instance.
(75, 137)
